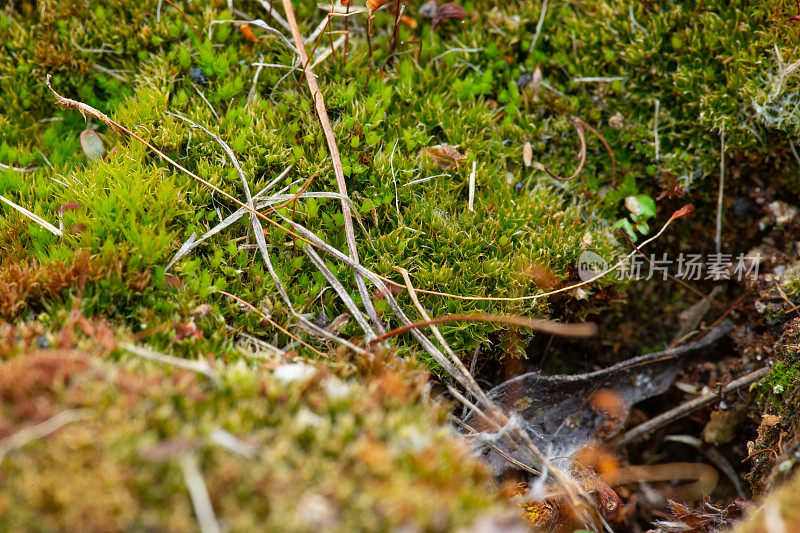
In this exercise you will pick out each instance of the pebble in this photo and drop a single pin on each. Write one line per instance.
(198, 76)
(524, 80)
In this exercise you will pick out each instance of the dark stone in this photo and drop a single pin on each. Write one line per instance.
(198, 76)
(524, 80)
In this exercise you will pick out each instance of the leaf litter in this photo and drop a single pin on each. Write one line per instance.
(563, 413)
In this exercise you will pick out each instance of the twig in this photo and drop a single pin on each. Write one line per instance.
(199, 92)
(186, 18)
(687, 408)
(231, 442)
(322, 112)
(655, 129)
(199, 366)
(602, 140)
(317, 31)
(472, 187)
(328, 51)
(21, 170)
(721, 193)
(33, 216)
(794, 152)
(598, 79)
(578, 330)
(346, 31)
(457, 50)
(251, 96)
(728, 311)
(539, 25)
(275, 324)
(578, 123)
(199, 494)
(101, 50)
(398, 11)
(274, 14)
(258, 23)
(38, 431)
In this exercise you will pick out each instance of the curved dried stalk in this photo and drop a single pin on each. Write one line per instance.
(579, 126)
(578, 330)
(322, 112)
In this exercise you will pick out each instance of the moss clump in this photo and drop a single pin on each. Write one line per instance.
(138, 69)
(481, 86)
(281, 445)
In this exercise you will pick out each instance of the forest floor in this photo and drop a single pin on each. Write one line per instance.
(386, 266)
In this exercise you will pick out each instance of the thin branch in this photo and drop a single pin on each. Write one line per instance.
(578, 330)
(721, 193)
(578, 123)
(33, 216)
(21, 170)
(38, 431)
(199, 494)
(539, 25)
(602, 140)
(186, 18)
(199, 366)
(471, 201)
(655, 129)
(322, 112)
(687, 408)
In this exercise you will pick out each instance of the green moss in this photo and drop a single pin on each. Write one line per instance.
(704, 62)
(710, 65)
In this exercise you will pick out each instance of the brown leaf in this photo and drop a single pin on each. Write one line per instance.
(449, 11)
(374, 5)
(446, 156)
(185, 330)
(684, 212)
(248, 33)
(408, 21)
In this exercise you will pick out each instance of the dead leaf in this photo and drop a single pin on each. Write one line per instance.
(185, 330)
(374, 5)
(563, 413)
(527, 154)
(248, 33)
(92, 145)
(448, 11)
(202, 310)
(446, 156)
